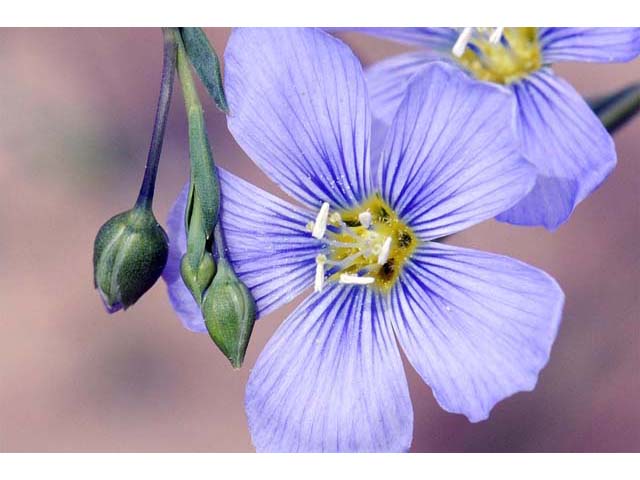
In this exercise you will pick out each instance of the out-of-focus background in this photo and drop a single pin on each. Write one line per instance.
(76, 110)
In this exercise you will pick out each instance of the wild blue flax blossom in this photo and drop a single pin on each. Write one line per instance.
(477, 327)
(560, 134)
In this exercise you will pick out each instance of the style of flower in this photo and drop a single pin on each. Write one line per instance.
(477, 327)
(560, 135)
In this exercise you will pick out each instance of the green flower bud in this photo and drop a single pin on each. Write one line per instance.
(129, 254)
(229, 313)
(197, 280)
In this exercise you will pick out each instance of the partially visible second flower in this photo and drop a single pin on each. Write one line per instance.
(560, 135)
(477, 327)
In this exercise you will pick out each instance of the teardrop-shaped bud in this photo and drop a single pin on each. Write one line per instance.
(229, 312)
(130, 251)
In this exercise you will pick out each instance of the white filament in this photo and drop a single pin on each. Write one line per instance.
(355, 280)
(496, 35)
(383, 256)
(465, 36)
(320, 225)
(462, 41)
(319, 280)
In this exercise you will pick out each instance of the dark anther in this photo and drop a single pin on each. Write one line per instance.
(383, 215)
(404, 240)
(386, 271)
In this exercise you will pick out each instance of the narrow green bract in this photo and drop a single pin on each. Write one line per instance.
(206, 63)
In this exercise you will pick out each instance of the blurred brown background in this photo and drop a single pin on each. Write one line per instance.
(76, 108)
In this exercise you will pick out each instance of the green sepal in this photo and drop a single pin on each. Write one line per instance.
(206, 63)
(204, 176)
(229, 313)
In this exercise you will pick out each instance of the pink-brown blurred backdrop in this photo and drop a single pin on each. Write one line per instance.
(76, 108)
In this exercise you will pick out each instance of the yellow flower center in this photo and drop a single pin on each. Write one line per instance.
(507, 59)
(365, 245)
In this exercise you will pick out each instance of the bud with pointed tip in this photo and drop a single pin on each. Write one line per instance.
(129, 254)
(229, 313)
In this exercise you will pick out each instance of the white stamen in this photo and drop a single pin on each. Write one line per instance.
(319, 280)
(365, 219)
(496, 35)
(355, 280)
(461, 44)
(383, 256)
(320, 225)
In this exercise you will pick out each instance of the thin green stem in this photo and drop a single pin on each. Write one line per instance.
(145, 197)
(189, 92)
(617, 109)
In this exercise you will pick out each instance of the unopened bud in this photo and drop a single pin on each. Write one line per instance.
(229, 313)
(129, 254)
(197, 280)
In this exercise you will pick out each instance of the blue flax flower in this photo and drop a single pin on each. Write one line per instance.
(477, 327)
(560, 134)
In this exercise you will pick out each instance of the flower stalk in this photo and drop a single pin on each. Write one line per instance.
(617, 109)
(130, 250)
(145, 197)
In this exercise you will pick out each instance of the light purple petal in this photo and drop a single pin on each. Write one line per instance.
(331, 380)
(589, 44)
(567, 143)
(387, 81)
(179, 296)
(451, 157)
(441, 38)
(299, 108)
(268, 245)
(477, 327)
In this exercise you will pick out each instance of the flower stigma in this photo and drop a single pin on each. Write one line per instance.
(500, 55)
(366, 245)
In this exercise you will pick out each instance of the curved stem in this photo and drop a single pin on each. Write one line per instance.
(145, 197)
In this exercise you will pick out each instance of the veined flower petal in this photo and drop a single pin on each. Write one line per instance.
(451, 156)
(566, 142)
(589, 44)
(477, 327)
(299, 108)
(387, 81)
(268, 246)
(440, 38)
(331, 379)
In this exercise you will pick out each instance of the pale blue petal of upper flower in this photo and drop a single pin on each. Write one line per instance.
(267, 242)
(477, 327)
(589, 44)
(387, 81)
(331, 380)
(567, 143)
(179, 296)
(451, 157)
(299, 108)
(439, 38)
